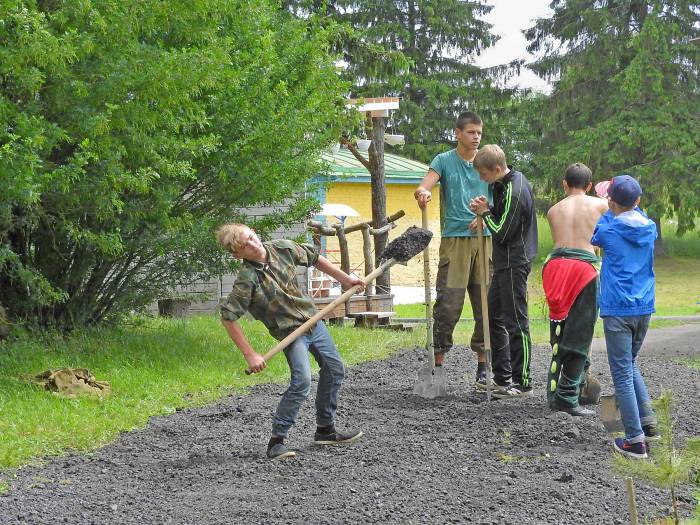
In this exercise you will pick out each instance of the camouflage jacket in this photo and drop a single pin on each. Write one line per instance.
(270, 291)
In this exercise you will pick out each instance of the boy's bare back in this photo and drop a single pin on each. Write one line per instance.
(573, 219)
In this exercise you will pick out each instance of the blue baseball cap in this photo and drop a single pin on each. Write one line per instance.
(624, 190)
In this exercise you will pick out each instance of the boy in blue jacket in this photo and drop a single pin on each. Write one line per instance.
(627, 236)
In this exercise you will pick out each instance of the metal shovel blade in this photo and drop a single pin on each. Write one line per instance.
(430, 382)
(424, 381)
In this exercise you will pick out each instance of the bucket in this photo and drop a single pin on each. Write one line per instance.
(610, 413)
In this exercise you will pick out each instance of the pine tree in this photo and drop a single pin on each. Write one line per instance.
(625, 96)
(421, 51)
(669, 467)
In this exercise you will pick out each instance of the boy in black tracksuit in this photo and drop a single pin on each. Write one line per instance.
(513, 226)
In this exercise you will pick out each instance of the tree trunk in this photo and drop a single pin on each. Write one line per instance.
(376, 161)
(659, 249)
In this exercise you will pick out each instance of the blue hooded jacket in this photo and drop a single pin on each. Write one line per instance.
(627, 274)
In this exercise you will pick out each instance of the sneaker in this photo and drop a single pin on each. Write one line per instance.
(512, 391)
(337, 438)
(631, 450)
(279, 451)
(577, 411)
(651, 433)
(481, 372)
(481, 385)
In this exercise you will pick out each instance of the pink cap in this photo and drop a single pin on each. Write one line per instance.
(601, 189)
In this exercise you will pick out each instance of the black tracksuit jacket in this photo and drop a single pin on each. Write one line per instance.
(512, 222)
(513, 226)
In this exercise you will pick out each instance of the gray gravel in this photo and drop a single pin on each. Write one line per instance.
(453, 460)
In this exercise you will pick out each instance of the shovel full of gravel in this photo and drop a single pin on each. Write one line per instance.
(409, 244)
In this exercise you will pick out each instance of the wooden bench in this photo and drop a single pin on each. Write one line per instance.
(371, 319)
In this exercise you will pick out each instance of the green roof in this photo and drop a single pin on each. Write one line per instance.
(396, 169)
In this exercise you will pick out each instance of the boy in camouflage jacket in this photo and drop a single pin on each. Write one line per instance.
(266, 287)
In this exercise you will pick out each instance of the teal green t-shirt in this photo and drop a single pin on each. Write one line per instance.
(459, 183)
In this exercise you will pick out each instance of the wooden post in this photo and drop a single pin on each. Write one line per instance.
(631, 501)
(343, 245)
(377, 125)
(367, 252)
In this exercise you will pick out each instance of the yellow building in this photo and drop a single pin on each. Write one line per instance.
(348, 182)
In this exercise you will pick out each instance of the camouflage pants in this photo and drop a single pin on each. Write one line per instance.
(458, 274)
(571, 346)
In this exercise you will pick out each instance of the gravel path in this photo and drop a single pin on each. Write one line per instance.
(453, 460)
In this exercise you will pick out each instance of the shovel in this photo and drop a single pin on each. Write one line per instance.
(400, 250)
(484, 273)
(431, 381)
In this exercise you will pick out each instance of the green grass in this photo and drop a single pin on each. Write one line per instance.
(154, 368)
(693, 362)
(539, 330)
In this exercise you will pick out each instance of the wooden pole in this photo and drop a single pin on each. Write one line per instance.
(631, 503)
(367, 252)
(375, 155)
(343, 245)
(484, 273)
(428, 295)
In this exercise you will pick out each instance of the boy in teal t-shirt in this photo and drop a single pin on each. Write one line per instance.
(459, 184)
(458, 268)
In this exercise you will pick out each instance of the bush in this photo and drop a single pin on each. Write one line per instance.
(130, 129)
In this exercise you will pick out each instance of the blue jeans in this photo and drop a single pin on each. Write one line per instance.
(320, 344)
(623, 338)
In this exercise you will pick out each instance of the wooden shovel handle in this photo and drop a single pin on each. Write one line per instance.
(284, 343)
(484, 277)
(426, 279)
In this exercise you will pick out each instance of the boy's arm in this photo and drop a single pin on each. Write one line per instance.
(423, 194)
(255, 361)
(348, 281)
(600, 233)
(506, 227)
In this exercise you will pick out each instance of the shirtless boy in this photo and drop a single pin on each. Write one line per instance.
(570, 280)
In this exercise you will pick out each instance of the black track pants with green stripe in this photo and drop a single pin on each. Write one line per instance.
(509, 325)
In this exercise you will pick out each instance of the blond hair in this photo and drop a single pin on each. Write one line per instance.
(489, 157)
(230, 236)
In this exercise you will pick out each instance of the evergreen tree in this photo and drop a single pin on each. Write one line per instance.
(669, 466)
(625, 96)
(421, 51)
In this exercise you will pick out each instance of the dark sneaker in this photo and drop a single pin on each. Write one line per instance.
(577, 411)
(481, 385)
(525, 391)
(337, 438)
(481, 373)
(512, 391)
(631, 450)
(280, 451)
(651, 432)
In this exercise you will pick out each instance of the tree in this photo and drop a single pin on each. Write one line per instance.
(130, 129)
(421, 51)
(669, 467)
(626, 96)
